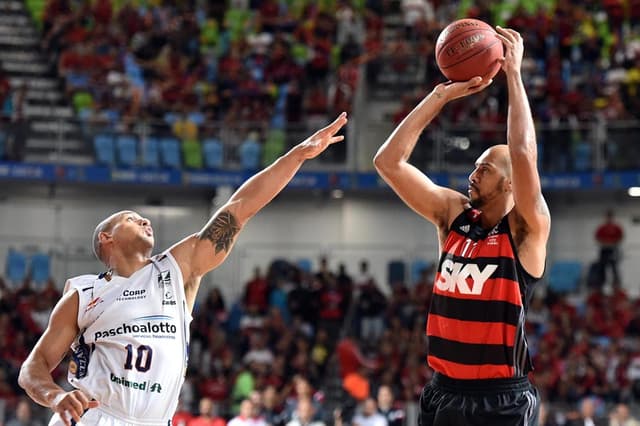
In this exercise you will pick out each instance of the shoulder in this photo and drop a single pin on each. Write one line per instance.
(80, 282)
(84, 279)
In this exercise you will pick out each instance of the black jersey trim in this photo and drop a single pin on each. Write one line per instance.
(475, 310)
(470, 353)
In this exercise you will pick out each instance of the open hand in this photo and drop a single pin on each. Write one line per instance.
(320, 140)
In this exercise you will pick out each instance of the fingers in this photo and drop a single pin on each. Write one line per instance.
(76, 410)
(336, 139)
(336, 125)
(73, 405)
(65, 418)
(508, 33)
(474, 81)
(480, 87)
(504, 39)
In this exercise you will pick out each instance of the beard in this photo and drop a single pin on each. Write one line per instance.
(481, 200)
(477, 203)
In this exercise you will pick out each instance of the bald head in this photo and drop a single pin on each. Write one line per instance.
(105, 226)
(500, 157)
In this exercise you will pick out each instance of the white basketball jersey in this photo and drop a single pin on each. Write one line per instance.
(131, 353)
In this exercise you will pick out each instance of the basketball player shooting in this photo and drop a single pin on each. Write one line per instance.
(493, 247)
(128, 328)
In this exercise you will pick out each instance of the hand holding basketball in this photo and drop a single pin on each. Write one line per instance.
(467, 48)
(513, 49)
(459, 89)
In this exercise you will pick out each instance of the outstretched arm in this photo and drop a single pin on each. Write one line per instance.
(205, 250)
(530, 205)
(437, 204)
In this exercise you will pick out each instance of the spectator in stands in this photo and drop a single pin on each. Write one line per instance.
(258, 352)
(331, 306)
(246, 416)
(256, 292)
(370, 307)
(609, 235)
(368, 415)
(305, 414)
(5, 96)
(620, 416)
(587, 415)
(185, 127)
(183, 416)
(388, 407)
(302, 391)
(273, 410)
(19, 125)
(364, 277)
(208, 415)
(24, 416)
(320, 353)
(345, 286)
(415, 13)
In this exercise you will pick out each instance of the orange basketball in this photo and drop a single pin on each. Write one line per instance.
(467, 48)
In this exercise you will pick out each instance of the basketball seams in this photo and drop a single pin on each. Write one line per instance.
(456, 35)
(457, 39)
(472, 55)
(464, 49)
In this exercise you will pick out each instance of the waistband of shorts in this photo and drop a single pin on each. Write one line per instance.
(500, 385)
(127, 419)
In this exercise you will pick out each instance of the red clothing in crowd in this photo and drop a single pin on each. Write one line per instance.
(609, 234)
(207, 421)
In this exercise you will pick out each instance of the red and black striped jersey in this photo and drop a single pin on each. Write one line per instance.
(475, 327)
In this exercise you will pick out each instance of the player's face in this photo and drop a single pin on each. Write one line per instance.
(133, 229)
(486, 182)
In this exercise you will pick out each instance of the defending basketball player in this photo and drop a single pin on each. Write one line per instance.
(493, 248)
(129, 327)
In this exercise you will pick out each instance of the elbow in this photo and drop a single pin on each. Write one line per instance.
(381, 162)
(22, 378)
(386, 167)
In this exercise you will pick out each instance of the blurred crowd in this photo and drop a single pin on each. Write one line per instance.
(581, 67)
(184, 65)
(327, 346)
(254, 66)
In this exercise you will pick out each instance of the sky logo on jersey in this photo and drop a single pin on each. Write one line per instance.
(155, 326)
(143, 386)
(455, 276)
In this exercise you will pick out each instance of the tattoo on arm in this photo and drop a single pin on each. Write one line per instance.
(221, 231)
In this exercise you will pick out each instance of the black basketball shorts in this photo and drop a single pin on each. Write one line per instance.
(495, 402)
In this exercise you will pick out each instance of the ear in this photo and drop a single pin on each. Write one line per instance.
(507, 185)
(104, 237)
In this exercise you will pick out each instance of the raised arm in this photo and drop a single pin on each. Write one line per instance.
(435, 203)
(205, 250)
(521, 138)
(35, 374)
